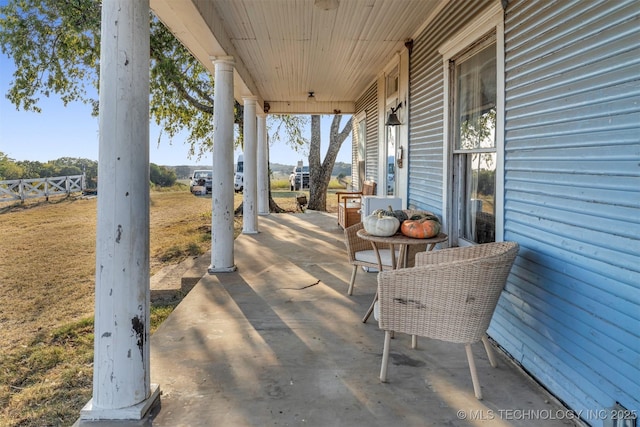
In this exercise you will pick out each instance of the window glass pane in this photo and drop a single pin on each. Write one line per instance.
(476, 100)
(362, 128)
(360, 160)
(392, 82)
(474, 144)
(478, 205)
(392, 134)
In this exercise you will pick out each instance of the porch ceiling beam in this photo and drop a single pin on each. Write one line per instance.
(305, 107)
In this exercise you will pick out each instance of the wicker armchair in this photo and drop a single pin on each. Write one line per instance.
(449, 295)
(361, 253)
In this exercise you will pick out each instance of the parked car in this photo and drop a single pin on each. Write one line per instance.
(201, 178)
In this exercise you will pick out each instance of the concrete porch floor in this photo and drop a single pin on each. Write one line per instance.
(279, 343)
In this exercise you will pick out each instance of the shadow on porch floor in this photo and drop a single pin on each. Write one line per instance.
(278, 342)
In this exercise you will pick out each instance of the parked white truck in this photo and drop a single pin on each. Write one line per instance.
(201, 181)
(238, 178)
(301, 180)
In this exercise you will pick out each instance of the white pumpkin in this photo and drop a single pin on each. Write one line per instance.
(379, 225)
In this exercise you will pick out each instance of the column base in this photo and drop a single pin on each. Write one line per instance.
(250, 232)
(136, 412)
(214, 270)
(264, 213)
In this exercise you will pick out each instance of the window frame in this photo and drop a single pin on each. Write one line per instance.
(361, 149)
(491, 20)
(390, 137)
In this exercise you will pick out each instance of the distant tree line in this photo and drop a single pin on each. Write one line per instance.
(67, 166)
(341, 168)
(338, 168)
(64, 166)
(186, 171)
(164, 176)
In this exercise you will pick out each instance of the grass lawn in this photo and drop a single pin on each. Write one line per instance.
(47, 275)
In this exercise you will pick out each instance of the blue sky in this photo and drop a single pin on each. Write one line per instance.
(71, 131)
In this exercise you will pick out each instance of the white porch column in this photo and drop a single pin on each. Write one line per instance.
(250, 191)
(222, 188)
(263, 166)
(121, 377)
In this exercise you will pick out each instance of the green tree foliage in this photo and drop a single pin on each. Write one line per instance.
(9, 169)
(55, 46)
(183, 171)
(64, 166)
(288, 128)
(342, 168)
(162, 175)
(86, 166)
(30, 169)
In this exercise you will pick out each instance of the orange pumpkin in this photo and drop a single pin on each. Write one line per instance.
(421, 227)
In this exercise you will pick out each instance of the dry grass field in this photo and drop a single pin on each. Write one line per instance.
(47, 267)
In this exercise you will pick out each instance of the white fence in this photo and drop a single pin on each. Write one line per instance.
(22, 189)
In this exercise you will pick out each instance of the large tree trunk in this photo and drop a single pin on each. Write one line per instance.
(320, 171)
(273, 206)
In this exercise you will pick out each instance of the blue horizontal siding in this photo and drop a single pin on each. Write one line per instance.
(570, 313)
(541, 362)
(591, 249)
(426, 109)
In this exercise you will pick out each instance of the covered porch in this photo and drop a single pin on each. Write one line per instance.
(278, 342)
(276, 338)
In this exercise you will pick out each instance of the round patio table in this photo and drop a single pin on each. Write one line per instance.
(403, 242)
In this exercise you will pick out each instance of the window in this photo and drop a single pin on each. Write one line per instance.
(473, 161)
(474, 142)
(392, 138)
(361, 141)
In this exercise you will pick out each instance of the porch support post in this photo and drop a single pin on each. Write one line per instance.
(263, 166)
(121, 377)
(222, 188)
(250, 191)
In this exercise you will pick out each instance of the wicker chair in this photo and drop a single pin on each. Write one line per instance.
(361, 253)
(449, 295)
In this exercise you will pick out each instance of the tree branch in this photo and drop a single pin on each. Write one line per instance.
(190, 99)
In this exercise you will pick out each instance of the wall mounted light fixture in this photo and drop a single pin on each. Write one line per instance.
(392, 119)
(311, 97)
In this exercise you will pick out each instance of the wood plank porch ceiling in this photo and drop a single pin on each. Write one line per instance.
(284, 49)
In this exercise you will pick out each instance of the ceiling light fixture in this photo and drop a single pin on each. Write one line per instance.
(311, 97)
(326, 4)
